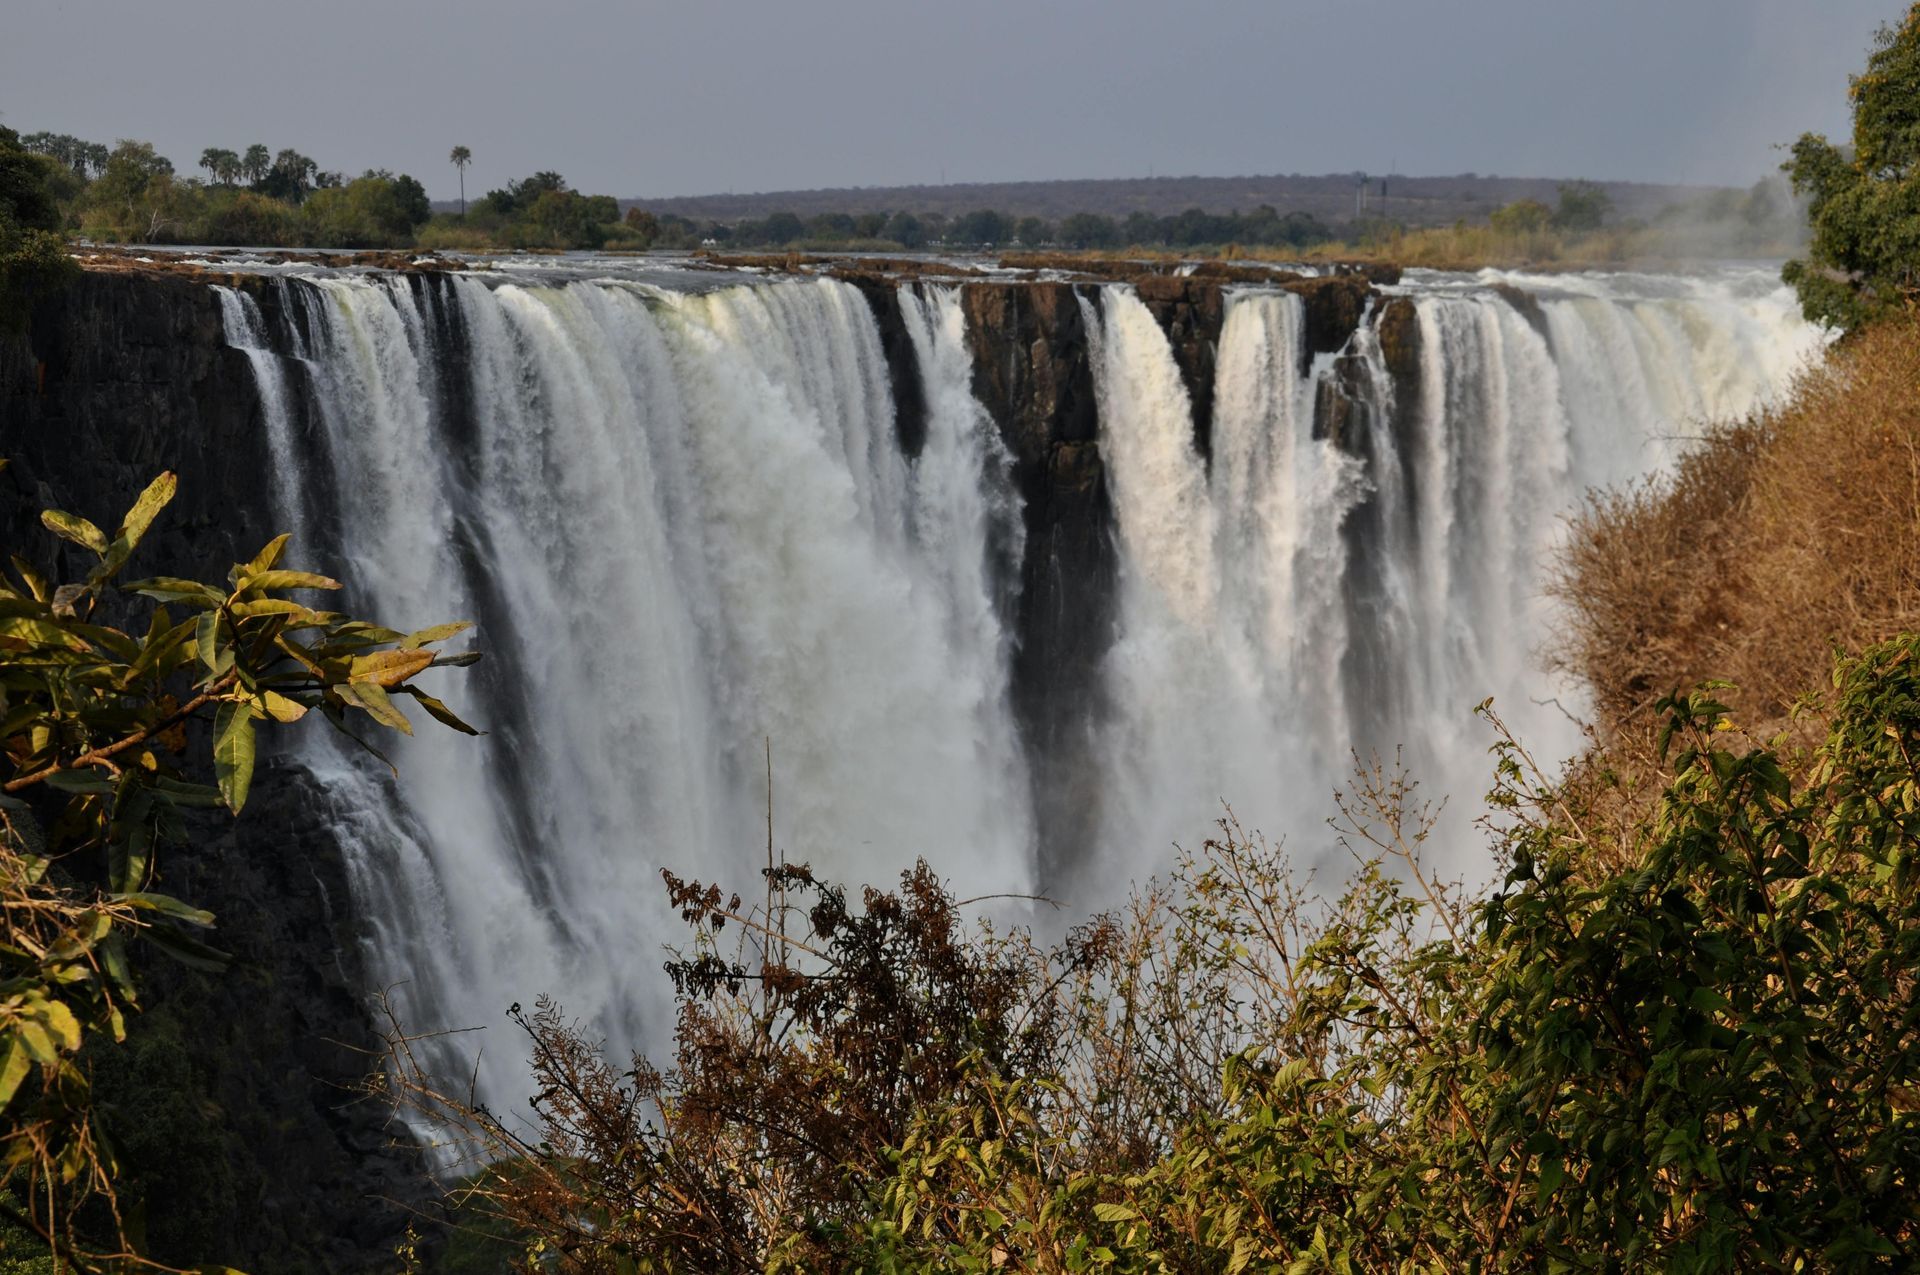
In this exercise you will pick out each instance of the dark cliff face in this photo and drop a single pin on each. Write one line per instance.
(1033, 373)
(233, 1099)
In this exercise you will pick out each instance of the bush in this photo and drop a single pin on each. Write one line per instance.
(245, 219)
(1779, 538)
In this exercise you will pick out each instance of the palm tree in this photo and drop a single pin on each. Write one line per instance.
(210, 160)
(460, 158)
(256, 162)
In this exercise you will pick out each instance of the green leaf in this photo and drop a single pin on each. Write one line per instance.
(1115, 1213)
(39, 632)
(174, 589)
(13, 1071)
(258, 580)
(38, 1042)
(85, 780)
(159, 653)
(268, 556)
(207, 639)
(75, 528)
(180, 793)
(35, 582)
(166, 904)
(187, 950)
(64, 1025)
(157, 496)
(372, 699)
(275, 606)
(233, 751)
(280, 708)
(438, 633)
(440, 712)
(389, 668)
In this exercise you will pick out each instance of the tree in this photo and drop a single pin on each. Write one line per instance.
(373, 211)
(1683, 1044)
(255, 164)
(981, 228)
(644, 225)
(134, 198)
(1521, 217)
(221, 165)
(460, 157)
(904, 229)
(33, 258)
(1863, 260)
(1032, 231)
(782, 228)
(1143, 228)
(1583, 206)
(1088, 230)
(292, 176)
(98, 783)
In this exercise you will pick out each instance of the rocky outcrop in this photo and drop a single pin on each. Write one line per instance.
(1033, 374)
(235, 1099)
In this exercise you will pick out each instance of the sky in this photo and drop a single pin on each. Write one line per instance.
(706, 96)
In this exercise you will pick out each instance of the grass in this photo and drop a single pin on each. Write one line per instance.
(1781, 538)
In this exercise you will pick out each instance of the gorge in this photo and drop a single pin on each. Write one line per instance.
(1020, 573)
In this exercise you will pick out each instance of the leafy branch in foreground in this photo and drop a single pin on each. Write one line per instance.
(94, 715)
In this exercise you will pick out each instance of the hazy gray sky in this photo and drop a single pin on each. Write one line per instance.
(703, 96)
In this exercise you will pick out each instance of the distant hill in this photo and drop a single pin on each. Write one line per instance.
(1417, 201)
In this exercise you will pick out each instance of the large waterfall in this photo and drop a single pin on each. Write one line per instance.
(687, 527)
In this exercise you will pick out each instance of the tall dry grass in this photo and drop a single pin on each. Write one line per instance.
(1783, 537)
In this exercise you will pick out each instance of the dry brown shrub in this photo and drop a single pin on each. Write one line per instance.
(1780, 538)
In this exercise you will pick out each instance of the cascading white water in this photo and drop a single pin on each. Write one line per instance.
(687, 531)
(1261, 648)
(1225, 676)
(687, 527)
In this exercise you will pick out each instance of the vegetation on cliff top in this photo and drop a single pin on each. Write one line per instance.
(33, 258)
(129, 193)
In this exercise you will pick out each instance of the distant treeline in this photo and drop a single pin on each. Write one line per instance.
(257, 197)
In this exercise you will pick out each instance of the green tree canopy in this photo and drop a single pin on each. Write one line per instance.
(1864, 258)
(1521, 217)
(33, 260)
(1583, 206)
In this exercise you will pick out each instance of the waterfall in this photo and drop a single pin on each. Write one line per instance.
(690, 530)
(687, 534)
